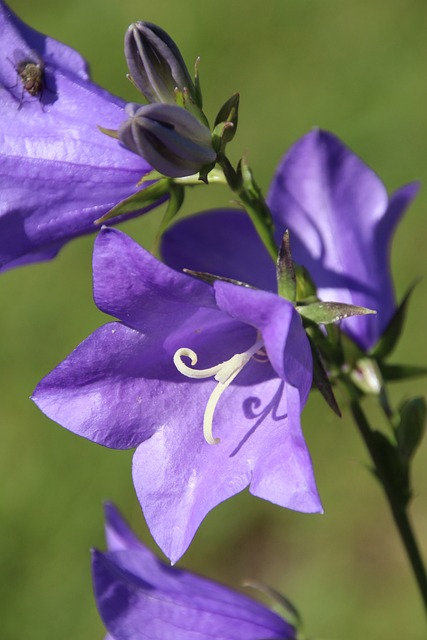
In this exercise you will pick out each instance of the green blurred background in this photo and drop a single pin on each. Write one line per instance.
(356, 68)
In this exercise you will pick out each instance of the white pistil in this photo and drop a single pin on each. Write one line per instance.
(224, 373)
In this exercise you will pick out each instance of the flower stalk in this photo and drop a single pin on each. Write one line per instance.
(397, 504)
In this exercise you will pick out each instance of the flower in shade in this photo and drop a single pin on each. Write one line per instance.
(203, 433)
(171, 139)
(341, 223)
(140, 598)
(58, 172)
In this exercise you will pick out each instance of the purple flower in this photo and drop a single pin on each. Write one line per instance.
(58, 172)
(134, 383)
(140, 598)
(170, 138)
(341, 223)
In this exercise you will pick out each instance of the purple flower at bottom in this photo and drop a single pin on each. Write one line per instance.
(341, 223)
(135, 383)
(58, 172)
(140, 598)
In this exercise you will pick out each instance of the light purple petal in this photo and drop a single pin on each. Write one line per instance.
(58, 172)
(118, 534)
(142, 600)
(130, 284)
(119, 386)
(334, 206)
(280, 326)
(177, 469)
(221, 242)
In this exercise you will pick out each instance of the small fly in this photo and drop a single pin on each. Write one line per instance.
(31, 74)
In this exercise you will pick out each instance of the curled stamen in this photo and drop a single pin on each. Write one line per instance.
(224, 373)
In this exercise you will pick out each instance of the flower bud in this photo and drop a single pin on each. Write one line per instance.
(171, 139)
(156, 65)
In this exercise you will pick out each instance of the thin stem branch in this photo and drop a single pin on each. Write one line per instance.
(399, 510)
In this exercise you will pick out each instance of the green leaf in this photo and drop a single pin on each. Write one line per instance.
(410, 430)
(112, 133)
(328, 312)
(321, 380)
(285, 272)
(394, 372)
(393, 331)
(306, 290)
(211, 278)
(139, 200)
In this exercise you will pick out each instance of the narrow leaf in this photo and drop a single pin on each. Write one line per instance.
(393, 331)
(139, 200)
(328, 312)
(321, 380)
(410, 430)
(285, 272)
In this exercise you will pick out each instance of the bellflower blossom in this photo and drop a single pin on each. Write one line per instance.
(58, 172)
(140, 598)
(203, 433)
(341, 223)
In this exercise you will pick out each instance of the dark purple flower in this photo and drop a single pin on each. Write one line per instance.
(130, 384)
(58, 172)
(156, 65)
(171, 139)
(140, 598)
(341, 223)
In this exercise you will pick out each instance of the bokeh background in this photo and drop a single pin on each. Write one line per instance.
(356, 68)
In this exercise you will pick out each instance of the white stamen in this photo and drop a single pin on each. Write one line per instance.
(224, 373)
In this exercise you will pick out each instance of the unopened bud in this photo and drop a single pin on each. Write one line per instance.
(157, 67)
(172, 140)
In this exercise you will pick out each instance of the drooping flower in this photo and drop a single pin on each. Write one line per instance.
(58, 172)
(341, 223)
(170, 138)
(134, 383)
(140, 598)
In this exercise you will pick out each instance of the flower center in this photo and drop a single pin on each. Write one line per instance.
(224, 373)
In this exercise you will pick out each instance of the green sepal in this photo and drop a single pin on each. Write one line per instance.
(394, 372)
(139, 200)
(197, 86)
(285, 272)
(175, 202)
(321, 380)
(292, 616)
(112, 133)
(219, 135)
(205, 171)
(328, 312)
(306, 289)
(150, 177)
(225, 126)
(411, 427)
(210, 278)
(392, 332)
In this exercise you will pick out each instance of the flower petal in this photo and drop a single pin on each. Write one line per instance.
(58, 172)
(280, 326)
(118, 535)
(179, 478)
(139, 599)
(130, 284)
(221, 242)
(334, 206)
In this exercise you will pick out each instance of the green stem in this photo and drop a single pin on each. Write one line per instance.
(399, 511)
(244, 188)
